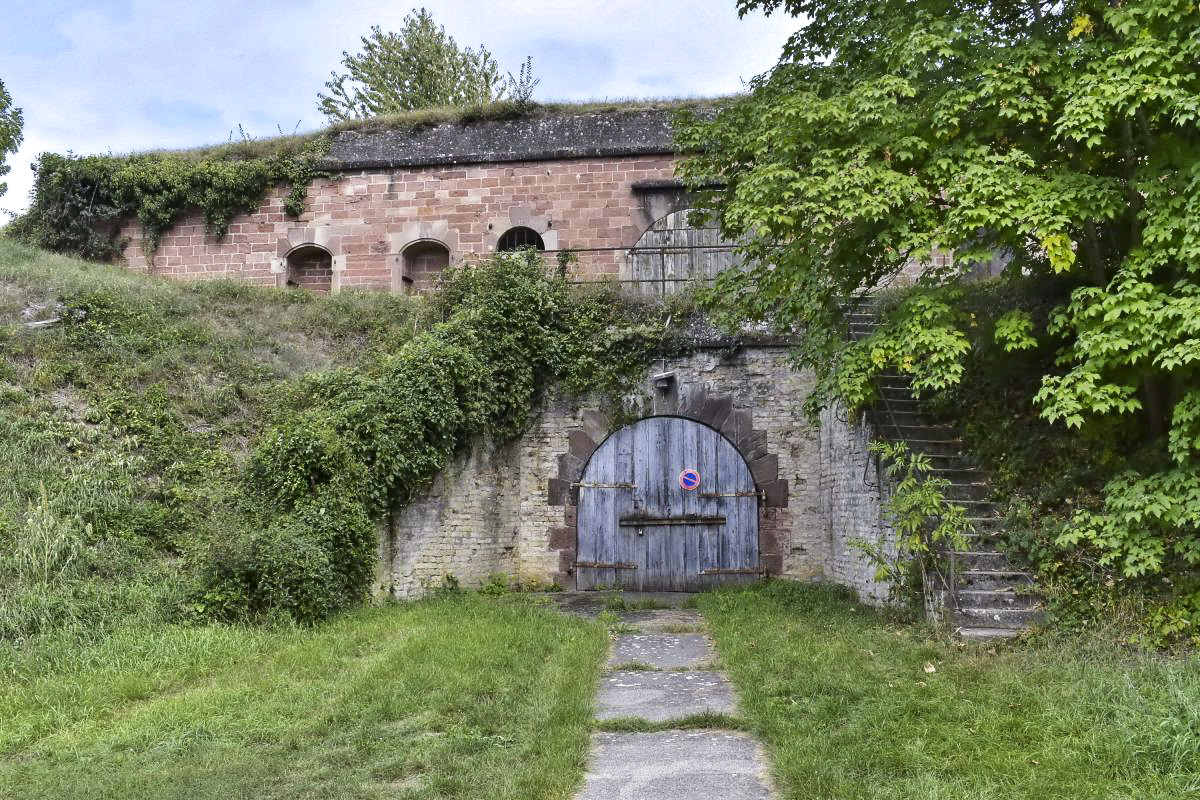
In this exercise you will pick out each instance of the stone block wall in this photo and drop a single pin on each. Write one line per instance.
(464, 525)
(512, 509)
(369, 218)
(854, 494)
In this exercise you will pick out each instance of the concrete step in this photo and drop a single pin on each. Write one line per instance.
(983, 510)
(980, 559)
(997, 599)
(898, 406)
(967, 491)
(995, 580)
(937, 447)
(997, 617)
(934, 433)
(896, 392)
(980, 633)
(957, 474)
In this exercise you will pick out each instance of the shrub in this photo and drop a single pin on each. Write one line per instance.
(349, 446)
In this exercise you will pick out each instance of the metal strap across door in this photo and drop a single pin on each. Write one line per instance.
(666, 504)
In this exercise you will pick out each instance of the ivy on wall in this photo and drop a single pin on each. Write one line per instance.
(79, 201)
(348, 446)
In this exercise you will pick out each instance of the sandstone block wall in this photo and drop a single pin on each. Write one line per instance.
(367, 218)
(464, 525)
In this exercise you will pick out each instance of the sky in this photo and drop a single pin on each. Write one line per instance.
(125, 75)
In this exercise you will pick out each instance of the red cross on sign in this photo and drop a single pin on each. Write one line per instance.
(689, 479)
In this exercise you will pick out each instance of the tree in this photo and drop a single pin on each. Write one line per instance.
(419, 67)
(10, 132)
(1061, 133)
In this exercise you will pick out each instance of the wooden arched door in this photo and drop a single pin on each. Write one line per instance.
(666, 504)
(671, 255)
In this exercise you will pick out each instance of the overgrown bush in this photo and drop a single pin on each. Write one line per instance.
(351, 445)
(79, 201)
(1096, 509)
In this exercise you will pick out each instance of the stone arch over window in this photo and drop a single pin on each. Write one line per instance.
(519, 238)
(521, 217)
(424, 260)
(309, 266)
(672, 254)
(420, 246)
(309, 258)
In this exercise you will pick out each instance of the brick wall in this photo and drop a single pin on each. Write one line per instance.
(366, 219)
(509, 509)
(853, 495)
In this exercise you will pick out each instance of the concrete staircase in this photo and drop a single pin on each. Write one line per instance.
(981, 594)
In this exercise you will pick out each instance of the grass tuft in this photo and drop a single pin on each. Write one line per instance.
(707, 720)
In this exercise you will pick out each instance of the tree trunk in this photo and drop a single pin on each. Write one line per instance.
(1154, 401)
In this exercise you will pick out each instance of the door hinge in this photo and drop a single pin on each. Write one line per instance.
(602, 565)
(638, 522)
(604, 485)
(733, 571)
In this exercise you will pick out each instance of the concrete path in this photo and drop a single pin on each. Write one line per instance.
(664, 668)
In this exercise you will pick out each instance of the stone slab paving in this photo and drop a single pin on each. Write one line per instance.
(670, 764)
(663, 696)
(663, 650)
(675, 765)
(664, 620)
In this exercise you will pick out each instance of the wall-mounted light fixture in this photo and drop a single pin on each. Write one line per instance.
(664, 381)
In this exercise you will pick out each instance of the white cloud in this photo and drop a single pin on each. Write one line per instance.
(136, 74)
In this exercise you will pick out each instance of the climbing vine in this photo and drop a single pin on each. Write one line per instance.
(348, 446)
(79, 201)
(927, 524)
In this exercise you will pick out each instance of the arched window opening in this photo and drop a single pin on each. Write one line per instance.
(518, 238)
(310, 267)
(423, 262)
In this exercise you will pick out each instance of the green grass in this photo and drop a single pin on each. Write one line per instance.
(458, 696)
(705, 720)
(846, 708)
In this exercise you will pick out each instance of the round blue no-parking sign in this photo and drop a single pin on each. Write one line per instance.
(689, 479)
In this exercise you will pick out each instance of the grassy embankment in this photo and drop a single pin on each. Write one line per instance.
(123, 432)
(459, 696)
(851, 706)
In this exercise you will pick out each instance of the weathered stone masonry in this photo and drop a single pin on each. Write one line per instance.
(511, 509)
(591, 183)
(399, 205)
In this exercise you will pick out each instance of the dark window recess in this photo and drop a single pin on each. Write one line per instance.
(310, 267)
(423, 261)
(518, 238)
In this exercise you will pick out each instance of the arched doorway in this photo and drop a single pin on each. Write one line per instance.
(310, 266)
(671, 254)
(666, 504)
